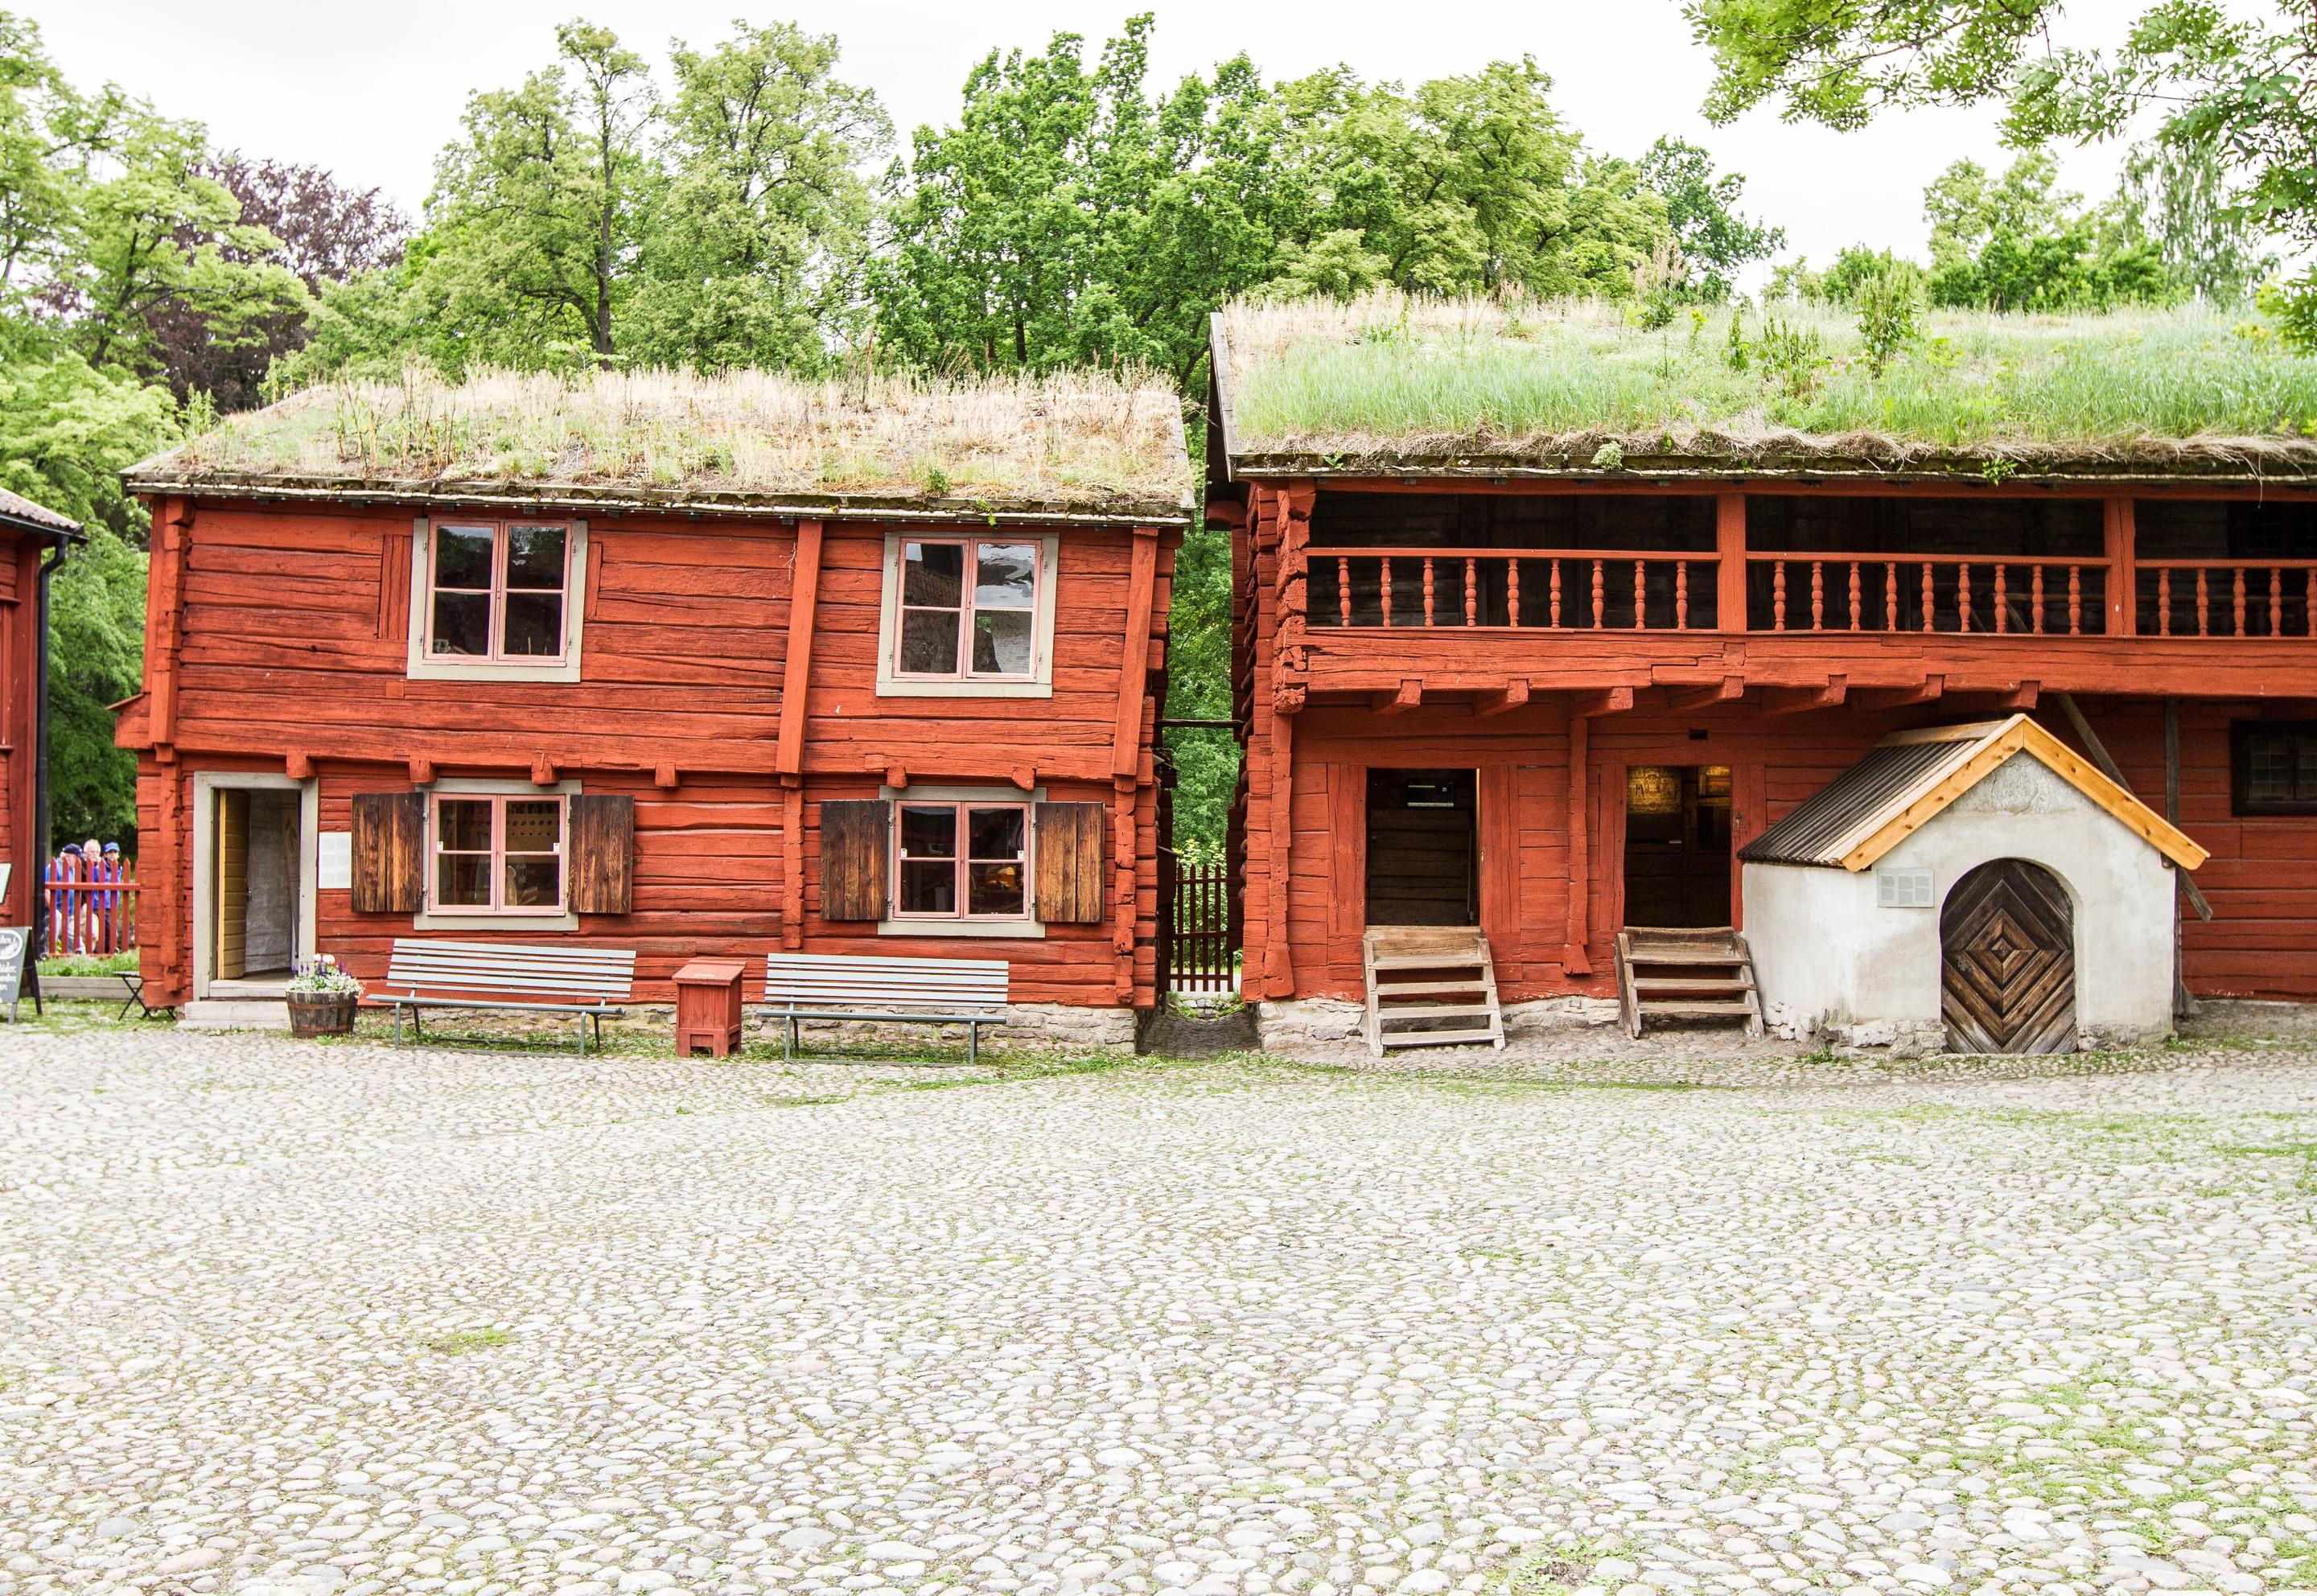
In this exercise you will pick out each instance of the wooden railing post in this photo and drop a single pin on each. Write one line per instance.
(1730, 573)
(2121, 538)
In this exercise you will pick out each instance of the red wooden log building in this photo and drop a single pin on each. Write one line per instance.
(33, 542)
(717, 709)
(1548, 689)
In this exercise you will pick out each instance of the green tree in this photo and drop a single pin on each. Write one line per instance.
(2244, 89)
(1702, 208)
(2175, 199)
(2022, 243)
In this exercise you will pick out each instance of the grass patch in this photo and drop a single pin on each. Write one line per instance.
(1390, 374)
(90, 964)
(454, 1342)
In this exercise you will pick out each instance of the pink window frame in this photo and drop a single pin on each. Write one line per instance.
(961, 860)
(965, 608)
(495, 629)
(498, 801)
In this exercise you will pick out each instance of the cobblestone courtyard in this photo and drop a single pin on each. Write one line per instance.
(278, 1317)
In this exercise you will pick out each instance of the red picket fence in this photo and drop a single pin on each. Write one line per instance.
(89, 913)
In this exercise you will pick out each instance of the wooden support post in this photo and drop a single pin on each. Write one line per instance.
(796, 668)
(1409, 694)
(1280, 966)
(792, 863)
(1134, 663)
(2121, 537)
(164, 621)
(2184, 1003)
(1575, 959)
(1502, 701)
(2108, 768)
(1730, 573)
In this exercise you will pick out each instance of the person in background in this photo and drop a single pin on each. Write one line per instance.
(66, 868)
(92, 868)
(109, 905)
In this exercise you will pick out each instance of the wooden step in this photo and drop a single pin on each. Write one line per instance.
(1688, 956)
(1401, 988)
(1434, 1012)
(1698, 1011)
(1741, 982)
(1447, 968)
(1706, 973)
(1433, 1038)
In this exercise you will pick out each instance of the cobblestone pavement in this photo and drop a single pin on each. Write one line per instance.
(277, 1318)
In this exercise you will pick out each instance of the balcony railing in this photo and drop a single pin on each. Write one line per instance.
(1567, 590)
(1940, 592)
(2203, 599)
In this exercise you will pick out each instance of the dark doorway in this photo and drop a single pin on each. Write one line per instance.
(1677, 845)
(2008, 960)
(1423, 849)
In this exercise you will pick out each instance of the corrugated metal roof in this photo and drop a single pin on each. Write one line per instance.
(1815, 833)
(16, 507)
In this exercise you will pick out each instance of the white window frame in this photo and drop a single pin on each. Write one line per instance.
(1029, 928)
(422, 666)
(1038, 685)
(463, 918)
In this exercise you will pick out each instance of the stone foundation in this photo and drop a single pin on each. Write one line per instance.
(1030, 1026)
(1327, 1022)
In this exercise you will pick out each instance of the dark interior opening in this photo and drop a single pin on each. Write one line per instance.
(1677, 845)
(1667, 523)
(1423, 849)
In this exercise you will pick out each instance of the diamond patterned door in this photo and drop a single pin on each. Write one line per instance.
(2008, 961)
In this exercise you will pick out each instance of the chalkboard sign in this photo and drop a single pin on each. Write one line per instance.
(13, 940)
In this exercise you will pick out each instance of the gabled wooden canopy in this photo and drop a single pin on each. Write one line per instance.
(1912, 776)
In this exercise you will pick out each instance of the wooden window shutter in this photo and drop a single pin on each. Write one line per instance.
(1070, 863)
(603, 854)
(855, 836)
(390, 849)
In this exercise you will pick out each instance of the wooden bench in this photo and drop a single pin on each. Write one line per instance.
(587, 982)
(968, 992)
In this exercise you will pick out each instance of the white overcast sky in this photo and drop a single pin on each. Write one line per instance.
(371, 92)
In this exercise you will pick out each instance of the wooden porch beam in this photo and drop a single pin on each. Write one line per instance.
(1606, 700)
(796, 670)
(1410, 694)
(1731, 688)
(1925, 692)
(1511, 696)
(1797, 700)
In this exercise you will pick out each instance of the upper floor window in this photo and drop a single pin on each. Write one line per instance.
(496, 854)
(497, 600)
(2276, 767)
(497, 592)
(968, 608)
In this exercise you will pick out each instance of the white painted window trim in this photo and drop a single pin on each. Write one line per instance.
(487, 787)
(422, 666)
(1039, 683)
(1029, 929)
(206, 785)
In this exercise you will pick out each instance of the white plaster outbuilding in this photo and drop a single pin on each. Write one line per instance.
(1982, 886)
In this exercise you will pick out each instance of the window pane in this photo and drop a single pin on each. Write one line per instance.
(531, 881)
(534, 825)
(2304, 779)
(994, 888)
(462, 557)
(929, 642)
(535, 556)
(463, 623)
(464, 823)
(1005, 575)
(1001, 642)
(463, 880)
(932, 572)
(2272, 773)
(994, 833)
(928, 889)
(928, 834)
(534, 623)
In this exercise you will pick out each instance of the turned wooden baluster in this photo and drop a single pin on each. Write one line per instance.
(2237, 584)
(2276, 601)
(2075, 600)
(1891, 595)
(1681, 595)
(1598, 590)
(1818, 595)
(1343, 588)
(1428, 590)
(1640, 596)
(1962, 597)
(1387, 590)
(1778, 596)
(2002, 622)
(2035, 594)
(1554, 590)
(2308, 609)
(1854, 595)
(1512, 593)
(1928, 611)
(1472, 590)
(2203, 606)
(2164, 602)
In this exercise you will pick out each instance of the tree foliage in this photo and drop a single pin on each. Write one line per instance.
(1716, 240)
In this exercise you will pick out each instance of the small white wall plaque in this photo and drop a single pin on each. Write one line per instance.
(1902, 889)
(334, 859)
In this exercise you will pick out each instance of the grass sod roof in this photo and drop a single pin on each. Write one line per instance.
(1085, 445)
(1393, 384)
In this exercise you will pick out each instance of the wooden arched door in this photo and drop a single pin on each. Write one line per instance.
(2008, 960)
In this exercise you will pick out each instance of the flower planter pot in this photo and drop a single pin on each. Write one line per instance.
(321, 1014)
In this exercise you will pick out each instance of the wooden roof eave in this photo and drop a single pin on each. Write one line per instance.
(579, 500)
(1960, 471)
(1226, 419)
(1908, 812)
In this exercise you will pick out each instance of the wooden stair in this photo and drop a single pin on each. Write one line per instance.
(1429, 987)
(1684, 973)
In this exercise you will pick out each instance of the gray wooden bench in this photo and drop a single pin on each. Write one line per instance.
(968, 992)
(587, 982)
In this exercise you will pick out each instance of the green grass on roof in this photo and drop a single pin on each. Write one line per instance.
(1395, 377)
